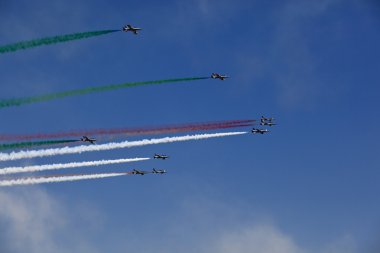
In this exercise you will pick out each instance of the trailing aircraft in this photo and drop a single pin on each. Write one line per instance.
(139, 172)
(259, 131)
(267, 123)
(158, 156)
(154, 171)
(263, 119)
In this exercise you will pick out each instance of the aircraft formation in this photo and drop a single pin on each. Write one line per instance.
(264, 122)
(87, 137)
(143, 172)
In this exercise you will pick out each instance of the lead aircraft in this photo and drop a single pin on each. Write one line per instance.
(130, 28)
(218, 76)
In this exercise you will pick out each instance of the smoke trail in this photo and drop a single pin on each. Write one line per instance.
(57, 166)
(59, 178)
(189, 129)
(136, 131)
(52, 96)
(108, 146)
(32, 144)
(51, 40)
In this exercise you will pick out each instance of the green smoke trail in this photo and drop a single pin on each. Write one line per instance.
(51, 40)
(32, 144)
(47, 97)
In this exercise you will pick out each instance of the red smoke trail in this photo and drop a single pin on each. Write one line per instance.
(179, 130)
(135, 131)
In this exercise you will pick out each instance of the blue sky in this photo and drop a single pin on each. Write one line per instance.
(309, 186)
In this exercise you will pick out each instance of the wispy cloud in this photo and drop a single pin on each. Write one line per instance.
(296, 77)
(35, 222)
(261, 238)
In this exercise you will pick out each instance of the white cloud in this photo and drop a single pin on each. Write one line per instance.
(345, 244)
(260, 239)
(30, 221)
(267, 238)
(33, 221)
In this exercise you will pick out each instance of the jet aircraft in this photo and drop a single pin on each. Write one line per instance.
(131, 28)
(139, 172)
(263, 119)
(154, 171)
(86, 139)
(259, 131)
(158, 156)
(267, 123)
(218, 76)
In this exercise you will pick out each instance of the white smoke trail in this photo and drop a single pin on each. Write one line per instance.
(57, 166)
(57, 179)
(108, 146)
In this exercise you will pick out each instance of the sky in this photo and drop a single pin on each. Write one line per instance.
(308, 186)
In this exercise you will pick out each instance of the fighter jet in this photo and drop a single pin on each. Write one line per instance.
(218, 76)
(139, 172)
(86, 139)
(259, 131)
(154, 171)
(267, 123)
(131, 28)
(263, 119)
(158, 156)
